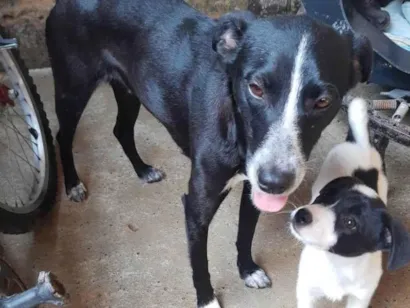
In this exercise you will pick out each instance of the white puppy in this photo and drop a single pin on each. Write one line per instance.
(346, 226)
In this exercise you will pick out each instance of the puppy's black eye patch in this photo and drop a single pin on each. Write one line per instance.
(333, 190)
(368, 177)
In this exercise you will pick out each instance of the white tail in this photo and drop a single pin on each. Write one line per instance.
(358, 121)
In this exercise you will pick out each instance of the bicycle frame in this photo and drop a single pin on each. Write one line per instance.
(8, 43)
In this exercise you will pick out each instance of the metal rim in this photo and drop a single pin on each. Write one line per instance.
(32, 138)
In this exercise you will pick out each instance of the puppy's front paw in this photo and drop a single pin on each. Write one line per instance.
(77, 193)
(213, 304)
(258, 280)
(151, 175)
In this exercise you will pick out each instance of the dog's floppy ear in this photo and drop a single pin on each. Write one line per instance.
(228, 34)
(396, 239)
(362, 61)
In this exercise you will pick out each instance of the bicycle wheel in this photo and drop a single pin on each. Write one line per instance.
(28, 173)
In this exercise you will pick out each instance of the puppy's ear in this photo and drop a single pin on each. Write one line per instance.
(362, 60)
(396, 239)
(229, 32)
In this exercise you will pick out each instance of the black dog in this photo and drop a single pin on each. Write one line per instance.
(239, 95)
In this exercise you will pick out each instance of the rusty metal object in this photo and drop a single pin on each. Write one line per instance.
(400, 112)
(385, 104)
(8, 43)
(47, 291)
(384, 127)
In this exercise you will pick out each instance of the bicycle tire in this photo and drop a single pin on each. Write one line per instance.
(23, 221)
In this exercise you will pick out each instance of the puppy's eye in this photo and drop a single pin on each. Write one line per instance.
(322, 102)
(349, 223)
(256, 90)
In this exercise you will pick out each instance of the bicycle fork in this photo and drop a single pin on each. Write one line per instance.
(8, 43)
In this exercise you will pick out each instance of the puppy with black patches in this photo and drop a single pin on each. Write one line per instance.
(346, 226)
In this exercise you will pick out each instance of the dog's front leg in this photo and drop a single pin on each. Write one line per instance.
(363, 297)
(305, 296)
(201, 204)
(305, 299)
(250, 272)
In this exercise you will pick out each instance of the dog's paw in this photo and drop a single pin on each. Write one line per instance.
(78, 193)
(258, 280)
(213, 304)
(151, 175)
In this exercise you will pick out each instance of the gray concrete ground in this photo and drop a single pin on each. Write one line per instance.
(125, 246)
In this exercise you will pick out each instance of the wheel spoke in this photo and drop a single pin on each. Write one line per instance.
(17, 131)
(18, 164)
(21, 173)
(6, 176)
(21, 116)
(22, 158)
(24, 152)
(7, 179)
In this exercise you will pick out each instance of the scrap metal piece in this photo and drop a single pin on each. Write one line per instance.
(47, 291)
(385, 104)
(8, 43)
(401, 111)
(396, 93)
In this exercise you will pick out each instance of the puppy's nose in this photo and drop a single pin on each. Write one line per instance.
(274, 182)
(303, 217)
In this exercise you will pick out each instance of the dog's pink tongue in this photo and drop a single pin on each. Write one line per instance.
(268, 202)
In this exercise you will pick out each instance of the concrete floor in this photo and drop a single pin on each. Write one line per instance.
(126, 247)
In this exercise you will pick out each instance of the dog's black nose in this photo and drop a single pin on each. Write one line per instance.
(303, 217)
(274, 182)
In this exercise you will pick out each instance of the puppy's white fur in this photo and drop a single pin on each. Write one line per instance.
(323, 274)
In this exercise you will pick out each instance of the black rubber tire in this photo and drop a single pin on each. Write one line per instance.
(18, 223)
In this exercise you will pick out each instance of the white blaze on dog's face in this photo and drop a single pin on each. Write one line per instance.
(277, 167)
(288, 77)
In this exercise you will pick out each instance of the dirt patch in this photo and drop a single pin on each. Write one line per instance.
(25, 19)
(274, 7)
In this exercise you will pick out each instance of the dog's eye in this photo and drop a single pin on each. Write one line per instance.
(255, 90)
(349, 223)
(322, 102)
